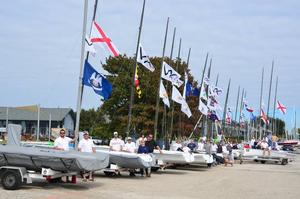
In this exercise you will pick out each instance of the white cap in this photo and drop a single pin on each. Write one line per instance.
(115, 133)
(129, 138)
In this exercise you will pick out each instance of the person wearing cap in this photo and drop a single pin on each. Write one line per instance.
(130, 146)
(87, 145)
(62, 142)
(116, 144)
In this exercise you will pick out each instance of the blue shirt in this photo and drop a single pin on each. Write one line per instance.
(142, 149)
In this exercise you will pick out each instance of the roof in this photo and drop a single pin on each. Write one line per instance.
(57, 114)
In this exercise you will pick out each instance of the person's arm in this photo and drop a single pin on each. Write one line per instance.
(56, 145)
(158, 148)
(94, 149)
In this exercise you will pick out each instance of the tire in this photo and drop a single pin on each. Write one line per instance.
(55, 180)
(284, 162)
(109, 174)
(209, 165)
(11, 180)
(263, 161)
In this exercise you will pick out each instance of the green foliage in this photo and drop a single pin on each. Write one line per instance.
(113, 115)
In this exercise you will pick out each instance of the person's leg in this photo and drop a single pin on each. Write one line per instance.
(264, 152)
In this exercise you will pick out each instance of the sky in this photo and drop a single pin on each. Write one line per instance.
(41, 42)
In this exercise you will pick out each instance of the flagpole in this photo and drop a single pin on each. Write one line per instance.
(274, 108)
(157, 98)
(260, 103)
(225, 107)
(49, 126)
(79, 96)
(206, 118)
(202, 78)
(135, 67)
(217, 80)
(236, 107)
(165, 108)
(177, 64)
(188, 58)
(270, 90)
(240, 112)
(38, 123)
(6, 122)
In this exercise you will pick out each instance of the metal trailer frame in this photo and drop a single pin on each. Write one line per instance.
(264, 159)
(12, 177)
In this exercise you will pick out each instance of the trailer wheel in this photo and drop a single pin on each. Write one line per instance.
(284, 162)
(11, 180)
(263, 161)
(109, 173)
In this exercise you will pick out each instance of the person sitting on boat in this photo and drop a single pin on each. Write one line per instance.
(142, 138)
(62, 142)
(143, 150)
(176, 146)
(265, 147)
(87, 145)
(116, 144)
(200, 145)
(130, 146)
(252, 143)
(192, 145)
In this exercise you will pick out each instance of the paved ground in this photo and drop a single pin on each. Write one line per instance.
(240, 181)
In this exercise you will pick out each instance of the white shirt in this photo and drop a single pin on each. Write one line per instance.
(86, 145)
(116, 144)
(214, 148)
(139, 141)
(130, 147)
(200, 146)
(62, 143)
(264, 145)
(175, 146)
(252, 142)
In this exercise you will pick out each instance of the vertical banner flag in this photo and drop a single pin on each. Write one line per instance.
(281, 107)
(176, 96)
(98, 36)
(163, 94)
(202, 108)
(169, 74)
(92, 78)
(187, 91)
(143, 59)
(186, 109)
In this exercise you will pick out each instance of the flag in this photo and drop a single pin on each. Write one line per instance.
(202, 107)
(187, 86)
(137, 83)
(92, 78)
(98, 36)
(186, 109)
(143, 59)
(203, 93)
(206, 80)
(213, 116)
(169, 74)
(215, 91)
(264, 117)
(176, 96)
(89, 45)
(281, 107)
(252, 117)
(195, 92)
(163, 94)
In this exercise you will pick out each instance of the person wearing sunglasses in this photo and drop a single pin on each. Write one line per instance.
(62, 142)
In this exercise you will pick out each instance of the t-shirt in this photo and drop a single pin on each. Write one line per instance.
(116, 144)
(175, 146)
(151, 145)
(143, 149)
(86, 145)
(191, 145)
(139, 141)
(200, 146)
(214, 148)
(62, 143)
(130, 147)
(264, 145)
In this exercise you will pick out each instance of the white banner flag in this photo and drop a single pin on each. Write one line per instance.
(186, 109)
(143, 59)
(203, 108)
(176, 96)
(168, 73)
(185, 84)
(163, 94)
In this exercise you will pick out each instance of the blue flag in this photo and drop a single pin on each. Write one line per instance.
(95, 80)
(196, 92)
(252, 117)
(188, 90)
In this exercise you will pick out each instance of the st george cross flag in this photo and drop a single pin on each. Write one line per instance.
(89, 45)
(186, 109)
(143, 59)
(98, 36)
(168, 73)
(202, 107)
(264, 117)
(163, 94)
(281, 107)
(95, 80)
(176, 96)
(203, 93)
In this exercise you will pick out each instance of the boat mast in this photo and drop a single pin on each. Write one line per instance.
(79, 95)
(160, 69)
(260, 103)
(270, 90)
(135, 68)
(225, 106)
(274, 108)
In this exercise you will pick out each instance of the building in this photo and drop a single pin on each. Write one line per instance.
(28, 119)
